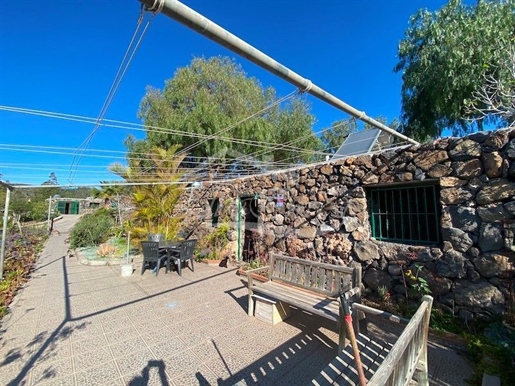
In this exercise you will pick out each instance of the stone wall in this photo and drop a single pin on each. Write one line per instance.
(321, 213)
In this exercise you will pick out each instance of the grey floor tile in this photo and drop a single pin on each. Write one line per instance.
(106, 373)
(47, 371)
(134, 362)
(92, 358)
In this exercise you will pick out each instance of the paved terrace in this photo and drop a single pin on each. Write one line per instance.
(87, 325)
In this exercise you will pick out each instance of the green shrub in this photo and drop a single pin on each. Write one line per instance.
(91, 230)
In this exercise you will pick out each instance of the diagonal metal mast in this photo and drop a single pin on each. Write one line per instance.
(192, 19)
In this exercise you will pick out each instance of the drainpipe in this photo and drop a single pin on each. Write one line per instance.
(239, 228)
(194, 20)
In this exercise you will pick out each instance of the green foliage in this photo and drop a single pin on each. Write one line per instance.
(444, 58)
(154, 203)
(218, 238)
(212, 94)
(91, 230)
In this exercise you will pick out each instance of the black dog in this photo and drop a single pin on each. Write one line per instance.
(223, 263)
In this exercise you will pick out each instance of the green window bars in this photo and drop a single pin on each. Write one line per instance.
(405, 214)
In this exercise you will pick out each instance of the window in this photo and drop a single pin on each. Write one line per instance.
(214, 204)
(94, 205)
(405, 213)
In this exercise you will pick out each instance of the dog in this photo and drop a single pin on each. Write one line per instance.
(223, 262)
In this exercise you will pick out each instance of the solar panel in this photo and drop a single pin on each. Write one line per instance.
(361, 142)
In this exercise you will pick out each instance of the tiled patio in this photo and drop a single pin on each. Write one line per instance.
(87, 325)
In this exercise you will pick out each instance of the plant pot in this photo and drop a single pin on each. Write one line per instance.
(127, 269)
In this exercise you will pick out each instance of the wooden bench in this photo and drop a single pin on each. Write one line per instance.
(311, 286)
(384, 363)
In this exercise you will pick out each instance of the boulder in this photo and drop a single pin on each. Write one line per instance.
(361, 233)
(468, 169)
(356, 205)
(495, 140)
(491, 264)
(269, 239)
(490, 237)
(493, 213)
(510, 207)
(339, 245)
(439, 171)
(375, 278)
(278, 219)
(464, 218)
(366, 251)
(452, 182)
(302, 199)
(308, 232)
(496, 191)
(465, 150)
(350, 223)
(326, 169)
(454, 196)
(459, 239)
(429, 158)
(492, 163)
(452, 265)
(478, 296)
(510, 149)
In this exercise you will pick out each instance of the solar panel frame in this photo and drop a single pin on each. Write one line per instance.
(358, 143)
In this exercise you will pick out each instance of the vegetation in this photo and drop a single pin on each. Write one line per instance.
(154, 203)
(21, 251)
(92, 229)
(212, 94)
(445, 59)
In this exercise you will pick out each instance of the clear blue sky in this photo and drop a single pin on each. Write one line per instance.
(62, 56)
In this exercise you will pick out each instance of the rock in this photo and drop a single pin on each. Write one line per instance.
(429, 158)
(468, 169)
(269, 239)
(356, 205)
(473, 276)
(459, 239)
(404, 176)
(452, 265)
(278, 219)
(232, 235)
(361, 233)
(439, 170)
(510, 207)
(453, 196)
(496, 191)
(491, 264)
(350, 223)
(492, 213)
(452, 182)
(490, 237)
(302, 199)
(492, 163)
(511, 170)
(477, 296)
(339, 245)
(495, 140)
(394, 269)
(308, 232)
(375, 278)
(420, 175)
(510, 149)
(370, 178)
(465, 150)
(366, 251)
(326, 169)
(464, 218)
(438, 285)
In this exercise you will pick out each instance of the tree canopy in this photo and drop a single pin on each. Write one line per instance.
(208, 96)
(445, 58)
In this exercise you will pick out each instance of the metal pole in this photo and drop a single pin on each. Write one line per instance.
(4, 232)
(194, 20)
(49, 209)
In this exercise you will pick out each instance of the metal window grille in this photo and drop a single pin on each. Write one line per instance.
(405, 214)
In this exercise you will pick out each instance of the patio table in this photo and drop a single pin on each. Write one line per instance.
(169, 246)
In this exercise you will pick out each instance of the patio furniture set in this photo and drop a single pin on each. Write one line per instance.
(158, 253)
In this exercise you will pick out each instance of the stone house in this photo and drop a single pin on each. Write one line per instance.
(444, 211)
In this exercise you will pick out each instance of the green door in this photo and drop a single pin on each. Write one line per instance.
(61, 207)
(74, 207)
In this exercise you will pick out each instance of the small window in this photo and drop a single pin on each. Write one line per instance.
(214, 204)
(405, 214)
(94, 205)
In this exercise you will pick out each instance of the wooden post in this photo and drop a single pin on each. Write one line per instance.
(422, 375)
(250, 310)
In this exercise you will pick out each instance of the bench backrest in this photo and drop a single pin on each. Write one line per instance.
(327, 279)
(410, 349)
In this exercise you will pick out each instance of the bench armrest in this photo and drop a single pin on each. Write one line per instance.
(256, 270)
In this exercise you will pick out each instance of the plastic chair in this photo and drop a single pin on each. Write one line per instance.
(185, 254)
(152, 255)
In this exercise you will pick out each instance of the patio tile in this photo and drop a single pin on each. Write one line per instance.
(127, 333)
(178, 363)
(90, 344)
(66, 380)
(116, 324)
(151, 376)
(106, 373)
(167, 347)
(201, 375)
(135, 362)
(92, 358)
(47, 371)
(128, 347)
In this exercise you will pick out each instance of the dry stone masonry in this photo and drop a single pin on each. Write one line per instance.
(322, 213)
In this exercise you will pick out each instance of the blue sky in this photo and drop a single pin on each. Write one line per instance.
(62, 56)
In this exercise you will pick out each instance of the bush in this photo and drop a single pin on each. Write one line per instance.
(91, 230)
